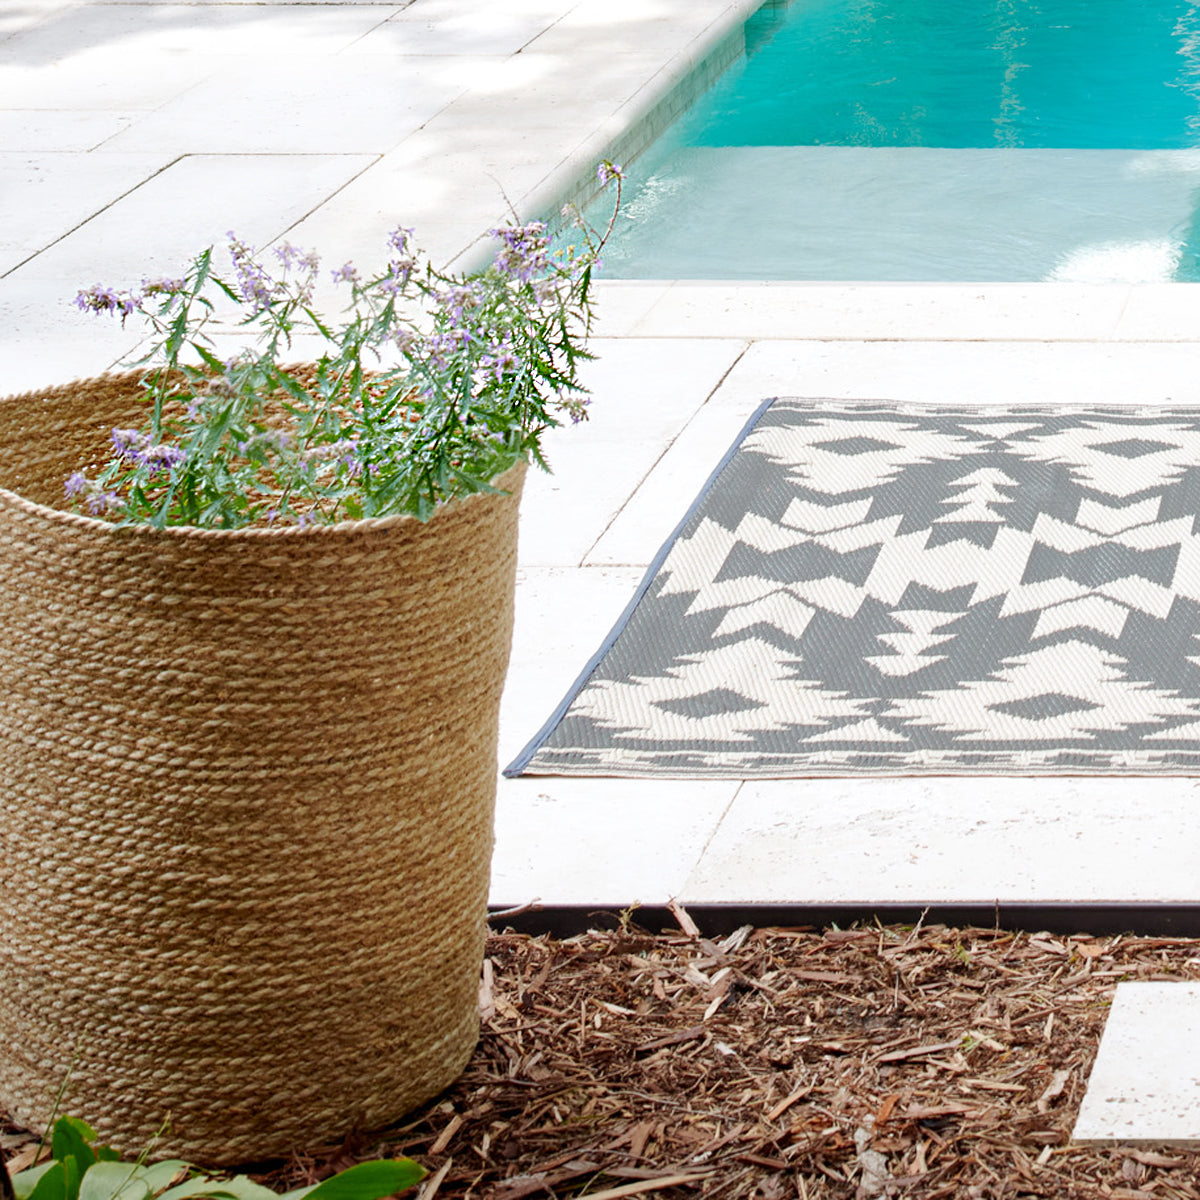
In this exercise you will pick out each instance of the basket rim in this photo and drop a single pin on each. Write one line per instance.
(505, 483)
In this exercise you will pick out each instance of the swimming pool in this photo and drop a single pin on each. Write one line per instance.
(918, 140)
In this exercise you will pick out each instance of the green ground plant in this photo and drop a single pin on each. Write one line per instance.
(79, 1169)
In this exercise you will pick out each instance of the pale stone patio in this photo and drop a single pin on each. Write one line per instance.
(133, 134)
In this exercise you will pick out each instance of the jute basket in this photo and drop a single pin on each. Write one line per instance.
(246, 793)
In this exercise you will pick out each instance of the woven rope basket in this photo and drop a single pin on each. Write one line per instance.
(246, 793)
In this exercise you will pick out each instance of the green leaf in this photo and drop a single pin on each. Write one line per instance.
(71, 1168)
(114, 1181)
(239, 1187)
(366, 1181)
(51, 1186)
(25, 1181)
(210, 359)
(73, 1137)
(162, 1174)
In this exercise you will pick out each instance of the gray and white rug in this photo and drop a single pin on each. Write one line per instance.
(894, 589)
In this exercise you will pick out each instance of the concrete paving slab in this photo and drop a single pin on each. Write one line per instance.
(561, 615)
(941, 840)
(620, 306)
(392, 6)
(945, 311)
(60, 131)
(447, 27)
(611, 843)
(971, 373)
(1168, 312)
(191, 204)
(584, 841)
(187, 31)
(643, 394)
(652, 512)
(1144, 1087)
(301, 104)
(100, 81)
(24, 14)
(45, 340)
(46, 196)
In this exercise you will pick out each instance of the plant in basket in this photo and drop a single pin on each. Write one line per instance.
(431, 386)
(256, 621)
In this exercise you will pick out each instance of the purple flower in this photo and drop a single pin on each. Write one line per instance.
(399, 272)
(99, 298)
(162, 459)
(441, 347)
(607, 171)
(499, 360)
(456, 300)
(256, 286)
(129, 443)
(137, 448)
(524, 250)
(343, 452)
(398, 239)
(347, 274)
(163, 286)
(287, 254)
(575, 407)
(99, 502)
(76, 484)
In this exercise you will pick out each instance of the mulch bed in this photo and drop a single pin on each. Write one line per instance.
(916, 1062)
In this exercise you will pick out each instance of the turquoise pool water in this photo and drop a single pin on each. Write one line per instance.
(933, 140)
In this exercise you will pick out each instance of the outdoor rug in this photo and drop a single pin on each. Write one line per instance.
(869, 588)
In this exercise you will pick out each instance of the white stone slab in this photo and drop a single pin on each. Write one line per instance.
(927, 312)
(608, 842)
(1145, 1083)
(45, 340)
(998, 373)
(105, 79)
(651, 514)
(643, 394)
(191, 31)
(1161, 312)
(15, 18)
(621, 305)
(45, 196)
(452, 27)
(612, 843)
(977, 840)
(390, 7)
(161, 225)
(562, 614)
(466, 169)
(299, 104)
(63, 131)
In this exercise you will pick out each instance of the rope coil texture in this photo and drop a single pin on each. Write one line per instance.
(246, 790)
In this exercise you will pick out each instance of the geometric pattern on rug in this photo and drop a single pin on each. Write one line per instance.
(900, 589)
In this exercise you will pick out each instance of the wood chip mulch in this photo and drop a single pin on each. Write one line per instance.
(891, 1061)
(915, 1062)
